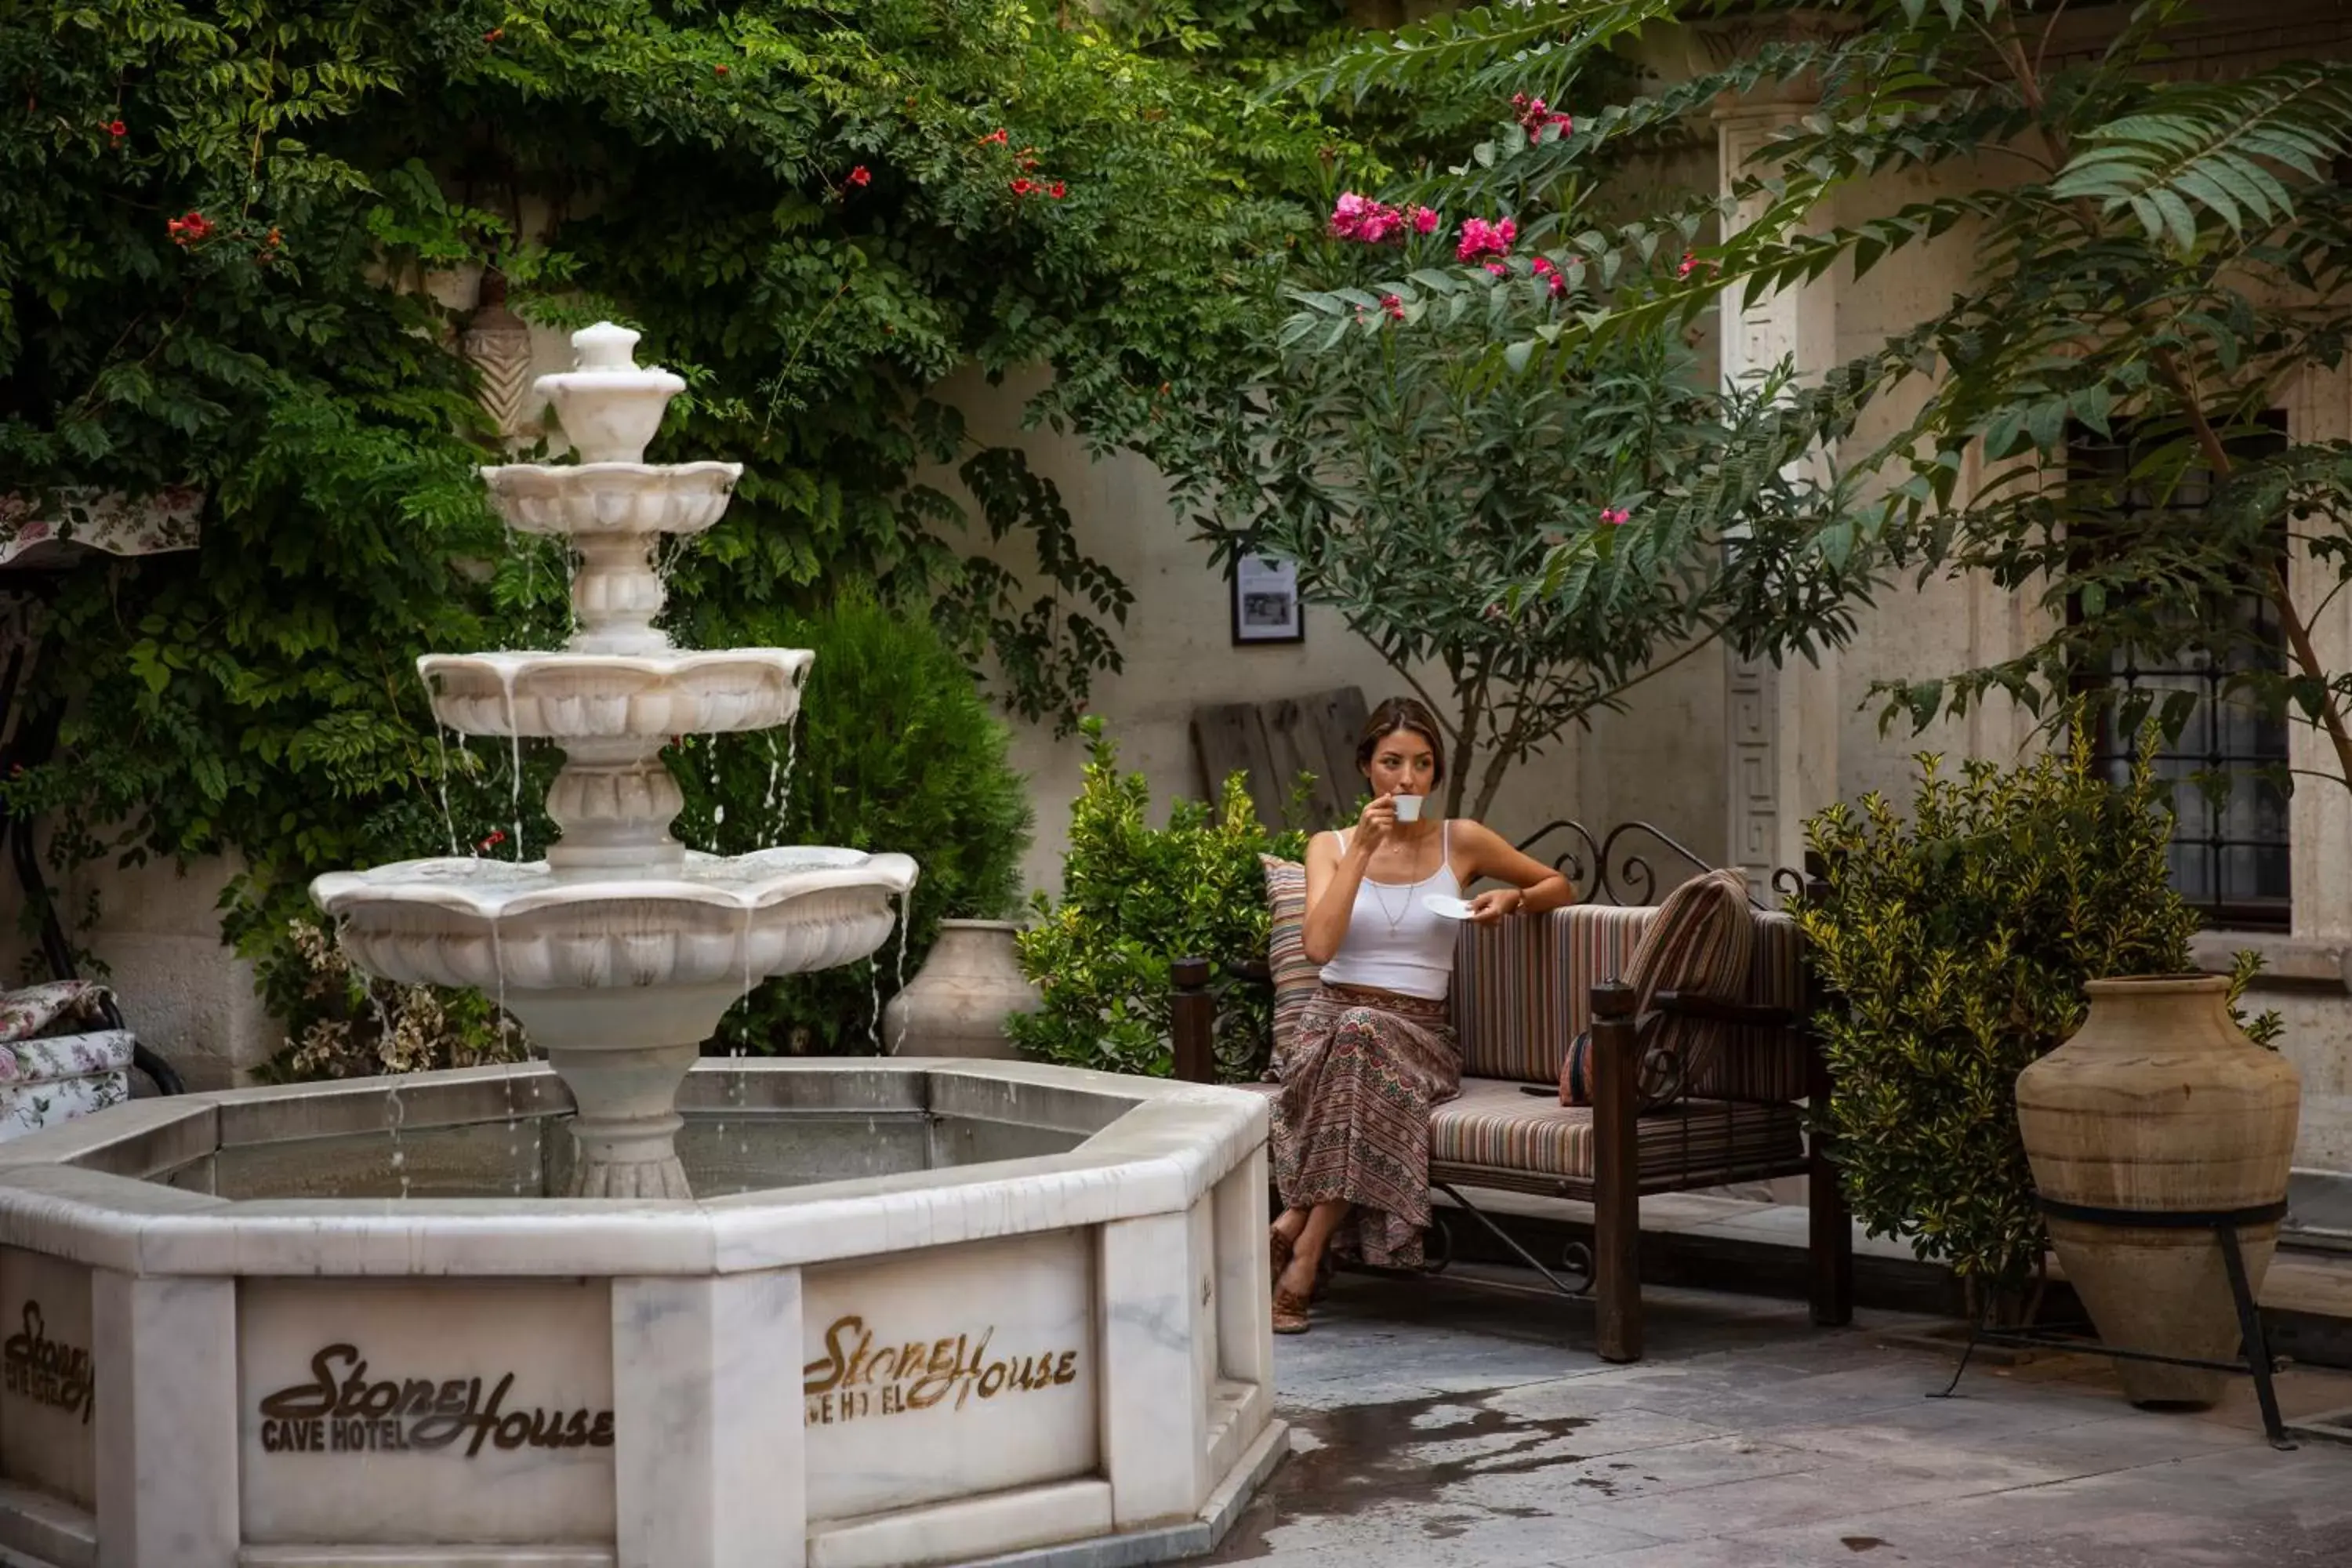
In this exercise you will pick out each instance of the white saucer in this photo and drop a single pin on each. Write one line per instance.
(1448, 909)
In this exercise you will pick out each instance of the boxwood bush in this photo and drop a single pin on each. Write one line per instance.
(1953, 949)
(1135, 898)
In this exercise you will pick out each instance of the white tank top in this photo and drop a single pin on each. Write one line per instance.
(1394, 941)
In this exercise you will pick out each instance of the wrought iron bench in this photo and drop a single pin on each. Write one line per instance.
(1523, 991)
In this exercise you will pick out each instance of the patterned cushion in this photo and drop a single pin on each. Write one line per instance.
(52, 1007)
(57, 1057)
(1576, 1071)
(1294, 977)
(1497, 1127)
(1701, 942)
(1523, 988)
(1762, 1063)
(56, 1078)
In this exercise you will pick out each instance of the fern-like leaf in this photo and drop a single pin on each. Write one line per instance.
(2216, 148)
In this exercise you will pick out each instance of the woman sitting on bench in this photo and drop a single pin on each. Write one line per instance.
(1374, 1049)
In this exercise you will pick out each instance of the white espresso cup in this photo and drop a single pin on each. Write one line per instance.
(1408, 807)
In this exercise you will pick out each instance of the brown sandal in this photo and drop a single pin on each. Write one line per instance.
(1289, 1313)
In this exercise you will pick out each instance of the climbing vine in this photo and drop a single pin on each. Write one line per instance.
(236, 241)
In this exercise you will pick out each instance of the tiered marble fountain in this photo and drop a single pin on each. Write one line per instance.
(620, 951)
(923, 1312)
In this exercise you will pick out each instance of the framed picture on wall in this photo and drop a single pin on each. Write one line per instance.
(1265, 600)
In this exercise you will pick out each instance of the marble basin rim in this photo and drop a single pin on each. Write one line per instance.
(509, 928)
(627, 499)
(569, 696)
(753, 1364)
(82, 1191)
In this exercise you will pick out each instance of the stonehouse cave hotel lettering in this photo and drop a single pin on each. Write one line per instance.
(341, 1411)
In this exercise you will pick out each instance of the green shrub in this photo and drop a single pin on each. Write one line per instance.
(1953, 953)
(1133, 899)
(896, 749)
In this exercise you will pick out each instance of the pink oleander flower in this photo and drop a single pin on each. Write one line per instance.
(1616, 517)
(1690, 263)
(1535, 115)
(1542, 268)
(1425, 220)
(1367, 221)
(1480, 237)
(1394, 306)
(1498, 270)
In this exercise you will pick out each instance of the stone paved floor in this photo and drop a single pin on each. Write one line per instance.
(1440, 1425)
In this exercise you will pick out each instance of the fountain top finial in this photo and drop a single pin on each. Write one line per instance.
(611, 406)
(605, 346)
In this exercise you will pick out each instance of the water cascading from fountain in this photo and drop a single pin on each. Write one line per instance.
(621, 949)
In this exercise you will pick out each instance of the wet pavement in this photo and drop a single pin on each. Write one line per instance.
(1438, 1424)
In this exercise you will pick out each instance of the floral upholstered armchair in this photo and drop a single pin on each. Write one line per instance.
(59, 1056)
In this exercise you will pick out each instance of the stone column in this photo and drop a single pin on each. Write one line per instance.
(1155, 1421)
(164, 1351)
(1243, 1292)
(708, 1456)
(1781, 719)
(2319, 812)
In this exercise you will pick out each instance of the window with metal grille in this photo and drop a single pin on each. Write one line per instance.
(2228, 764)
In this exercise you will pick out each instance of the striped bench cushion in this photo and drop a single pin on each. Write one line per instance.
(1762, 1063)
(1295, 976)
(1494, 1127)
(1523, 988)
(1700, 940)
(1523, 991)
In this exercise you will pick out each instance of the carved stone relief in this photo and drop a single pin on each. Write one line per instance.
(1774, 739)
(497, 343)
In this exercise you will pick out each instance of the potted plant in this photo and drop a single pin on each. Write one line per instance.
(1957, 951)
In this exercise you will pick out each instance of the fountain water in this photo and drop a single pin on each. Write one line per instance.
(925, 1310)
(621, 949)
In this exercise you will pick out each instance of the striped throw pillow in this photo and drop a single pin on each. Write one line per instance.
(1294, 977)
(1700, 940)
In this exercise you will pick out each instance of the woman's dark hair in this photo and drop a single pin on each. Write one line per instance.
(1402, 713)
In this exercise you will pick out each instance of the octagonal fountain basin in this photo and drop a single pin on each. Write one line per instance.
(924, 1311)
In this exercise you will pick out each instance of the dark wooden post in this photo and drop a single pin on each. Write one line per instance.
(1194, 1020)
(1829, 1226)
(1616, 1173)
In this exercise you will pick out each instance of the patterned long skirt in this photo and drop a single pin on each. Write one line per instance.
(1351, 1119)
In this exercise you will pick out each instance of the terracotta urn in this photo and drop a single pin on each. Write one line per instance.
(2160, 1103)
(956, 1006)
